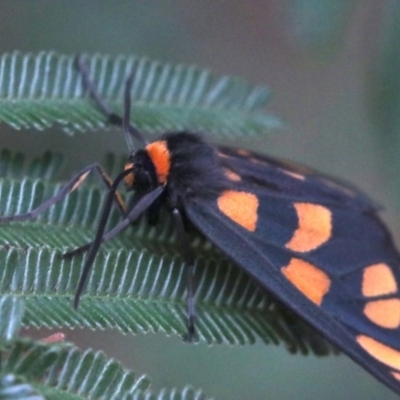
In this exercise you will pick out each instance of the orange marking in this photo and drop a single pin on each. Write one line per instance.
(130, 178)
(385, 313)
(315, 227)
(223, 155)
(240, 207)
(257, 161)
(396, 375)
(161, 158)
(106, 178)
(383, 353)
(378, 280)
(243, 152)
(120, 201)
(79, 181)
(233, 176)
(296, 168)
(309, 279)
(54, 338)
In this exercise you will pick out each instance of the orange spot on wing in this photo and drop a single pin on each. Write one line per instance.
(243, 152)
(79, 181)
(385, 313)
(161, 158)
(315, 227)
(383, 353)
(396, 375)
(240, 207)
(298, 168)
(309, 279)
(233, 176)
(129, 179)
(378, 280)
(258, 161)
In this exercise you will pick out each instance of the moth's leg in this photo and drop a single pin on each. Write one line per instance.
(141, 206)
(109, 235)
(69, 187)
(119, 227)
(189, 261)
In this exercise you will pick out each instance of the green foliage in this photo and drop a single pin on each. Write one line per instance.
(12, 389)
(45, 89)
(38, 370)
(11, 314)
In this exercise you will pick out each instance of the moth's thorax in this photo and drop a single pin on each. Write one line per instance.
(183, 162)
(161, 158)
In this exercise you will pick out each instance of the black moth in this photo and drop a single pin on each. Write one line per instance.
(315, 244)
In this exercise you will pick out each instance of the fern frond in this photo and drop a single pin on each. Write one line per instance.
(13, 388)
(61, 371)
(11, 311)
(40, 90)
(15, 165)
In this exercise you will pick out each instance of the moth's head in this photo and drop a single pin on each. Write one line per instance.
(149, 166)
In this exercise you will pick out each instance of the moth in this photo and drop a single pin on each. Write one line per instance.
(315, 244)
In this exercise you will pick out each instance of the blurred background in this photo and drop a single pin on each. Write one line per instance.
(334, 68)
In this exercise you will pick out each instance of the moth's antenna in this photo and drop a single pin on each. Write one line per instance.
(129, 130)
(127, 112)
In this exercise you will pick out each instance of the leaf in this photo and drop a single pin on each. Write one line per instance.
(40, 90)
(15, 165)
(61, 371)
(188, 393)
(138, 281)
(11, 311)
(12, 389)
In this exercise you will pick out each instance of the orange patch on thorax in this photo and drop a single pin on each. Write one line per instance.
(161, 158)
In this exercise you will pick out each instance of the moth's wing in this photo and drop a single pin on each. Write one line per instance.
(291, 178)
(323, 253)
